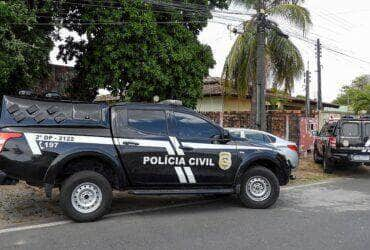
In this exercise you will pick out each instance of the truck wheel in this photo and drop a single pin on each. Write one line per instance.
(86, 196)
(259, 188)
(316, 157)
(327, 165)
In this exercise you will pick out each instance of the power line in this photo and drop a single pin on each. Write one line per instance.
(351, 11)
(178, 6)
(119, 23)
(332, 22)
(312, 42)
(338, 18)
(346, 55)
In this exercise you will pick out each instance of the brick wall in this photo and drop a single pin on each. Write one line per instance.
(231, 119)
(282, 123)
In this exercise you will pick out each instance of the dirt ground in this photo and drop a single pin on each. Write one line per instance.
(309, 171)
(22, 203)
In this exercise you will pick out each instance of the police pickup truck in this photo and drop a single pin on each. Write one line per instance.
(87, 150)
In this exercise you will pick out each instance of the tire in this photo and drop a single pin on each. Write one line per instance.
(328, 167)
(316, 157)
(260, 176)
(92, 196)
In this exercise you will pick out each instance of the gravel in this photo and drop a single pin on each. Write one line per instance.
(24, 204)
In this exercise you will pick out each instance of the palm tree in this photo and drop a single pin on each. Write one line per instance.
(283, 60)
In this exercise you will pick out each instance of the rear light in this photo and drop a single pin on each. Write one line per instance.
(4, 137)
(332, 142)
(293, 147)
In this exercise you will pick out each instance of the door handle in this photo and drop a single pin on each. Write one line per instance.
(130, 144)
(186, 148)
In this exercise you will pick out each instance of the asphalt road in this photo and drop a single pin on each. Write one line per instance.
(334, 215)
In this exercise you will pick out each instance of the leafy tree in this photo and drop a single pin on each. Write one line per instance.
(24, 45)
(301, 96)
(283, 59)
(139, 50)
(356, 95)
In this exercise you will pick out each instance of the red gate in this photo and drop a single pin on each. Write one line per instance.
(306, 139)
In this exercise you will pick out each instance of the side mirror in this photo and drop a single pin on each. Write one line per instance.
(226, 135)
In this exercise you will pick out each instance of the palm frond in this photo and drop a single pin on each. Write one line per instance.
(293, 13)
(239, 69)
(286, 60)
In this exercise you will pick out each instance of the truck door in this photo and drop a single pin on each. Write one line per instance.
(320, 140)
(209, 158)
(141, 137)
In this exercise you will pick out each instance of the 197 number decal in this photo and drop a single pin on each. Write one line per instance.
(48, 144)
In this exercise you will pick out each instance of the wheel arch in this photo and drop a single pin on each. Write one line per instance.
(109, 162)
(270, 161)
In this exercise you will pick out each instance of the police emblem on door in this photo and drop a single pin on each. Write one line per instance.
(224, 161)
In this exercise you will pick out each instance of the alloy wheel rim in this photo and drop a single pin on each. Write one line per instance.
(86, 197)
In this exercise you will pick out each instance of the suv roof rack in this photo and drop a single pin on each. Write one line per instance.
(348, 117)
(171, 102)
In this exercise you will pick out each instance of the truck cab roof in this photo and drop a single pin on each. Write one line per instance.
(161, 106)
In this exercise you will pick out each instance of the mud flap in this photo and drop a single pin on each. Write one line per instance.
(48, 190)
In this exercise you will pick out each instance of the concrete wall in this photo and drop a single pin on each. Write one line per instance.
(219, 104)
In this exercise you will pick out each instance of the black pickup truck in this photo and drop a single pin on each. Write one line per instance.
(87, 150)
(345, 142)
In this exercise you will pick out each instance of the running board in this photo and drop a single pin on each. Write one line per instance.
(181, 191)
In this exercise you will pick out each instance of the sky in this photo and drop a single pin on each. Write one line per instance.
(341, 26)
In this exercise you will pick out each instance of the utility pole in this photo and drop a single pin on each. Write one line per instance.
(261, 77)
(259, 91)
(319, 93)
(308, 104)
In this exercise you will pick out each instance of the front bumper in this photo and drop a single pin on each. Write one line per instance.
(285, 170)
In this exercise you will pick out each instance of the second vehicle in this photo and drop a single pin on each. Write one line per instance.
(287, 148)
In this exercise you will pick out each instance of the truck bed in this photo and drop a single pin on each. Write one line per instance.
(19, 112)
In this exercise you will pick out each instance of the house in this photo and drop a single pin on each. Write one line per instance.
(214, 100)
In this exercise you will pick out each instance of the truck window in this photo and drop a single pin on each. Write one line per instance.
(350, 129)
(255, 136)
(147, 121)
(367, 129)
(236, 134)
(190, 126)
(323, 130)
(271, 139)
(331, 129)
